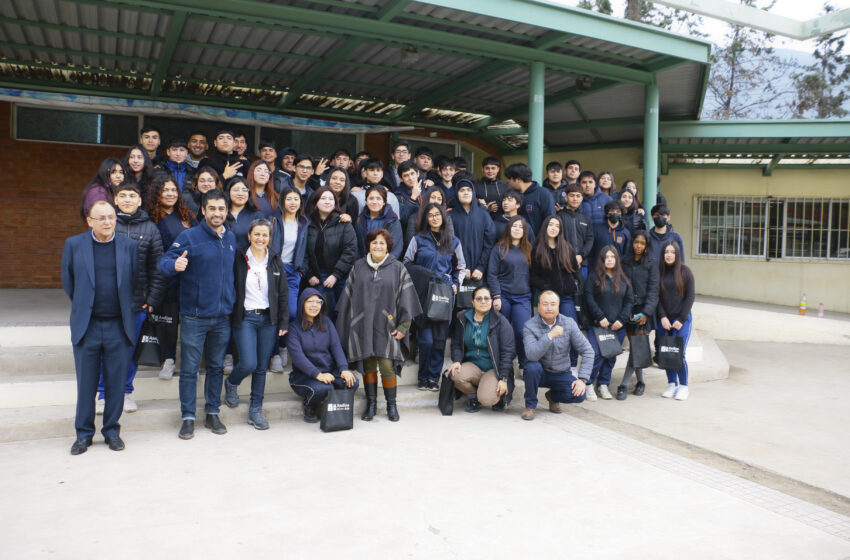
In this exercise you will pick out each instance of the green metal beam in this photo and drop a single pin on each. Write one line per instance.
(349, 83)
(331, 59)
(586, 119)
(536, 123)
(398, 69)
(756, 149)
(728, 166)
(391, 9)
(175, 28)
(246, 50)
(576, 148)
(372, 30)
(73, 52)
(77, 29)
(665, 164)
(557, 16)
(756, 129)
(768, 169)
(602, 123)
(212, 68)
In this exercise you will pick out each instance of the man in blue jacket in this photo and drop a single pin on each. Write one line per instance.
(98, 274)
(203, 257)
(537, 202)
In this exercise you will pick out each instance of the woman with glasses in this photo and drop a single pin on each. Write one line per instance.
(375, 312)
(242, 212)
(318, 362)
(264, 197)
(436, 249)
(483, 353)
(205, 180)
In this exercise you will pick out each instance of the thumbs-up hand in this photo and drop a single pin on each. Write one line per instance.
(182, 262)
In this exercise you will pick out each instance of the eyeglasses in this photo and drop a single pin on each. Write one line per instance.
(483, 299)
(239, 190)
(402, 151)
(105, 219)
(315, 302)
(304, 167)
(437, 215)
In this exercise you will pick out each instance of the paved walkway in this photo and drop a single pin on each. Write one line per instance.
(467, 486)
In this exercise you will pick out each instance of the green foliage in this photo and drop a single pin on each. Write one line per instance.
(601, 6)
(821, 85)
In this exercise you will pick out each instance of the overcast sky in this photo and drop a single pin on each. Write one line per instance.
(798, 9)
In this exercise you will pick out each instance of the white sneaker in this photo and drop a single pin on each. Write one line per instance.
(670, 392)
(682, 393)
(98, 406)
(276, 364)
(129, 404)
(167, 371)
(284, 357)
(605, 393)
(228, 363)
(590, 393)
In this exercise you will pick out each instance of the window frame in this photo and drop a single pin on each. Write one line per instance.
(17, 138)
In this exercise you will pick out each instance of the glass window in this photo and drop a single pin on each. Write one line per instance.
(58, 125)
(317, 144)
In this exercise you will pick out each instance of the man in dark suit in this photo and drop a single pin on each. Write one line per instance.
(98, 273)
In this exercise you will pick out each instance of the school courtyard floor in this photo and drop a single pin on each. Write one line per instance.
(753, 465)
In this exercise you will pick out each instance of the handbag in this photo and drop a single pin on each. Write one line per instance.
(438, 305)
(606, 339)
(338, 410)
(465, 292)
(446, 400)
(149, 352)
(669, 351)
(167, 317)
(584, 322)
(639, 351)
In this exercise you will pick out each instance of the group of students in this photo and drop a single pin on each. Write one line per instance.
(330, 263)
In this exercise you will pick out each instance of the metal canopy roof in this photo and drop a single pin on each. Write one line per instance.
(424, 63)
(767, 145)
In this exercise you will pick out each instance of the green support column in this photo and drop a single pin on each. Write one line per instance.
(650, 148)
(536, 96)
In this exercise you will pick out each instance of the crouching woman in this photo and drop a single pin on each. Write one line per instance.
(318, 362)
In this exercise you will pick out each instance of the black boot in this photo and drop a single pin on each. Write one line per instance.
(371, 389)
(392, 409)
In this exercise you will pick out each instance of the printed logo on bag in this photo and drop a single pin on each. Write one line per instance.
(165, 319)
(439, 299)
(465, 288)
(671, 349)
(148, 339)
(339, 407)
(604, 337)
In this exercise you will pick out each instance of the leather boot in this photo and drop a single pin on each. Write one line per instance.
(370, 385)
(390, 391)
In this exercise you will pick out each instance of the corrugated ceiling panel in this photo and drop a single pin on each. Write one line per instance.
(617, 102)
(568, 137)
(678, 90)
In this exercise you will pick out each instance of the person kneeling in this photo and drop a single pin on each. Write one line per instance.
(318, 362)
(483, 352)
(548, 337)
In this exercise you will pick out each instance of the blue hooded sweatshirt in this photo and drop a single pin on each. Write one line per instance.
(476, 233)
(314, 351)
(537, 203)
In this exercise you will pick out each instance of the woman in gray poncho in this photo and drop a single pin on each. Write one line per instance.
(374, 314)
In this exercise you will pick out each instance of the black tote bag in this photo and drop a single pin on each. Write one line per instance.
(438, 306)
(669, 351)
(338, 410)
(465, 292)
(149, 352)
(166, 317)
(640, 351)
(446, 401)
(606, 339)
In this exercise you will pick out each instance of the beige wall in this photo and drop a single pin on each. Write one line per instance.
(777, 281)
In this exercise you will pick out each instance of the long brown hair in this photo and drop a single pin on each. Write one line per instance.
(565, 255)
(505, 242)
(155, 207)
(617, 275)
(270, 193)
(678, 272)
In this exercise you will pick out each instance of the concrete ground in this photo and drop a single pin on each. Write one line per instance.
(467, 486)
(783, 408)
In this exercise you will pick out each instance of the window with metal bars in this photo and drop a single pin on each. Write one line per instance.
(788, 228)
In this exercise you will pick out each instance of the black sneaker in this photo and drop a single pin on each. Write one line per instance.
(422, 386)
(309, 414)
(433, 386)
(500, 406)
(640, 388)
(621, 393)
(473, 405)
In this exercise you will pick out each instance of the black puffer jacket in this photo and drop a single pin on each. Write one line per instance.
(607, 303)
(500, 341)
(338, 244)
(150, 283)
(278, 291)
(192, 200)
(643, 275)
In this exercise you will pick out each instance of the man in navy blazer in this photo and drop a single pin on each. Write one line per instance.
(98, 273)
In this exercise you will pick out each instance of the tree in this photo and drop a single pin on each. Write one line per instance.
(820, 86)
(601, 6)
(745, 73)
(664, 17)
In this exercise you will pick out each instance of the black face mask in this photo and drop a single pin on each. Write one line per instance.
(614, 218)
(660, 221)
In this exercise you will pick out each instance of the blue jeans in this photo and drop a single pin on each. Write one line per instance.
(561, 384)
(568, 309)
(256, 339)
(314, 391)
(194, 331)
(680, 375)
(517, 310)
(293, 281)
(602, 367)
(131, 369)
(105, 348)
(432, 352)
(331, 295)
